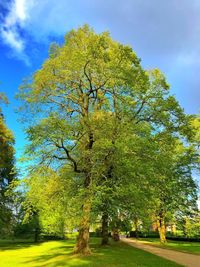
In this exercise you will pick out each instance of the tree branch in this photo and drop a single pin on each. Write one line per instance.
(69, 157)
(88, 78)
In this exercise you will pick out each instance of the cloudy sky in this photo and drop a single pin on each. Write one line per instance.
(164, 34)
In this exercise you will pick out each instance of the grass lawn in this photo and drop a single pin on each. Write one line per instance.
(189, 247)
(59, 253)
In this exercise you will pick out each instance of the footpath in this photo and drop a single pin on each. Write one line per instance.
(182, 258)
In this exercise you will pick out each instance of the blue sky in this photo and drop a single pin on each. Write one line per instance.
(164, 34)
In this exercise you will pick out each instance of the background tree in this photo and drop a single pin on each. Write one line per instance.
(54, 195)
(7, 172)
(175, 189)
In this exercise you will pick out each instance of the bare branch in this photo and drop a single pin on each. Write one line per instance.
(88, 78)
(140, 108)
(69, 157)
(60, 158)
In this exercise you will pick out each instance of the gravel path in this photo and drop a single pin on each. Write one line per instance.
(182, 258)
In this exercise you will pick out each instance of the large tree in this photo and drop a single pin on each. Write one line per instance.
(86, 94)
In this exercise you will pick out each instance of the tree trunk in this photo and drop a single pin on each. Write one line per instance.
(116, 234)
(82, 244)
(161, 229)
(173, 228)
(105, 234)
(136, 227)
(36, 234)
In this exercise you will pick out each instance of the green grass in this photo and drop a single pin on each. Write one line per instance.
(189, 247)
(60, 253)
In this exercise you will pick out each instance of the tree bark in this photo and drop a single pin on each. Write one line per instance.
(116, 234)
(105, 234)
(173, 228)
(82, 245)
(161, 228)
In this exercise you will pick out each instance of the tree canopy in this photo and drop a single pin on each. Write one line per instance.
(103, 125)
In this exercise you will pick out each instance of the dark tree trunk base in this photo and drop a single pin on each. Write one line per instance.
(116, 235)
(86, 251)
(105, 234)
(161, 230)
(82, 245)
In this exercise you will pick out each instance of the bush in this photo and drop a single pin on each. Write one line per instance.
(144, 234)
(95, 234)
(47, 237)
(71, 235)
(182, 238)
(135, 234)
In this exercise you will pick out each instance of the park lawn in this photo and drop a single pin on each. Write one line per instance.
(189, 247)
(60, 253)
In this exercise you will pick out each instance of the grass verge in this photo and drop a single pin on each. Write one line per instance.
(189, 247)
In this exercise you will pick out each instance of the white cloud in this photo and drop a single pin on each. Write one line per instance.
(21, 9)
(12, 38)
(16, 18)
(139, 23)
(36, 19)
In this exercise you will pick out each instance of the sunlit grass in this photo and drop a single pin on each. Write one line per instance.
(60, 253)
(189, 247)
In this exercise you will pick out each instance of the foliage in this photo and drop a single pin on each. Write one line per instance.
(51, 195)
(102, 127)
(7, 173)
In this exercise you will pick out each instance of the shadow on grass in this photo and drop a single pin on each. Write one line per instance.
(61, 256)
(53, 259)
(13, 245)
(116, 254)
